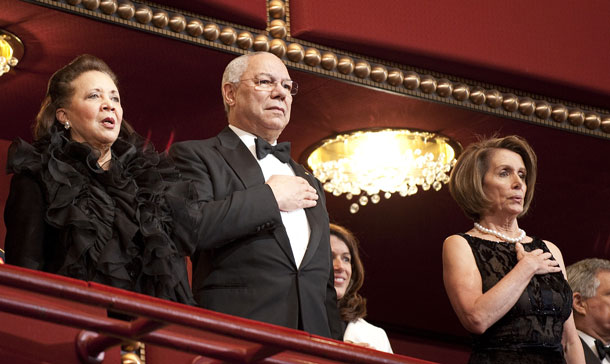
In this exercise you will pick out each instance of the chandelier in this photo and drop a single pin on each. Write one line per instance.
(369, 164)
(11, 51)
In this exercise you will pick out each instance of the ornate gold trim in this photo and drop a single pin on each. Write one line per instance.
(342, 65)
(133, 352)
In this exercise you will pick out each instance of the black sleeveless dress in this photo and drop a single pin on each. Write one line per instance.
(531, 331)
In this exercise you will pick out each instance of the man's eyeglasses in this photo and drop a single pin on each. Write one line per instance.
(268, 85)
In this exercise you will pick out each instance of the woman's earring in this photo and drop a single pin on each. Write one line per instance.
(67, 125)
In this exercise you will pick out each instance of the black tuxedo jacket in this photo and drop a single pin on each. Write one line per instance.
(590, 356)
(244, 265)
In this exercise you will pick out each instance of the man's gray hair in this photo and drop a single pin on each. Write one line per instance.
(233, 72)
(582, 275)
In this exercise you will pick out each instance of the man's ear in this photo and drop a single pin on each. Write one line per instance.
(228, 92)
(579, 303)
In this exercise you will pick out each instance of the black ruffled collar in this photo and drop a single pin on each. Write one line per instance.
(116, 225)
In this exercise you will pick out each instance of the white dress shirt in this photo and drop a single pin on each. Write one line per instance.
(295, 222)
(590, 341)
(361, 332)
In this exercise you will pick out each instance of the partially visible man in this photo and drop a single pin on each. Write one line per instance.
(264, 228)
(590, 282)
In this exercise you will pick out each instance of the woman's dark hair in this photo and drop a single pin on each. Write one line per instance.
(352, 305)
(466, 183)
(60, 91)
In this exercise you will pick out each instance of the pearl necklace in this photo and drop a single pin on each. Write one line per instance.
(499, 234)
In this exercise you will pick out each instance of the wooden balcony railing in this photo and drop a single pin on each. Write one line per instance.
(45, 318)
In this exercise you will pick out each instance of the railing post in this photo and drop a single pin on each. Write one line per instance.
(90, 346)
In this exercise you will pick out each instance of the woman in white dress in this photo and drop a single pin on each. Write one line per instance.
(349, 276)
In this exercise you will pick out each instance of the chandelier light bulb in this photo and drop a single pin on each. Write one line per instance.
(369, 163)
(11, 50)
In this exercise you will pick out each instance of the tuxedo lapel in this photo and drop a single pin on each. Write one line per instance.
(590, 356)
(284, 242)
(314, 216)
(240, 159)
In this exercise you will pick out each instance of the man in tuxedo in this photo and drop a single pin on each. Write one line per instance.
(590, 283)
(264, 226)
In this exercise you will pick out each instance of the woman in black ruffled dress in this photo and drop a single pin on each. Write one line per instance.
(507, 288)
(92, 200)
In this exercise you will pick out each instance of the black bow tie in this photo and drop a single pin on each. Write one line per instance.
(602, 349)
(281, 151)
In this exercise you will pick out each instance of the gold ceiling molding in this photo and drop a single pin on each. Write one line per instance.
(338, 64)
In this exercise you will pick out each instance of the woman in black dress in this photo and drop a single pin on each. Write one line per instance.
(90, 199)
(507, 288)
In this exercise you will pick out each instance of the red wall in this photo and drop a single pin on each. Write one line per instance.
(556, 48)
